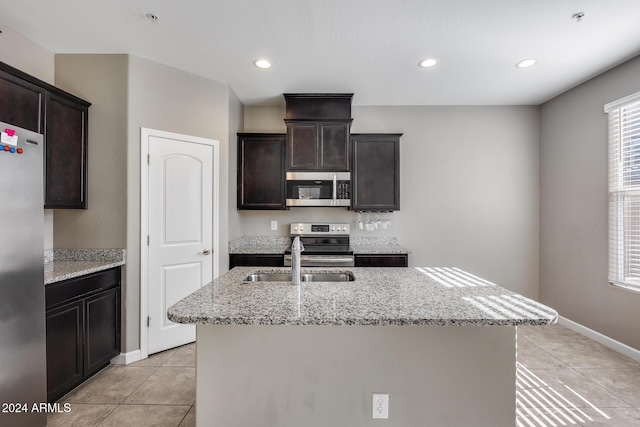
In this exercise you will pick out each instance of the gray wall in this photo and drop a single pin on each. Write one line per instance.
(573, 202)
(469, 187)
(128, 93)
(23, 54)
(236, 124)
(171, 100)
(101, 80)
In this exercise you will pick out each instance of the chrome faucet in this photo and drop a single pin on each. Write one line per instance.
(296, 250)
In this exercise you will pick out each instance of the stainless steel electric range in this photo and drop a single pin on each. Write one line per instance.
(325, 245)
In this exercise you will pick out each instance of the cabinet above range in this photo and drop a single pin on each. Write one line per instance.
(318, 127)
(322, 163)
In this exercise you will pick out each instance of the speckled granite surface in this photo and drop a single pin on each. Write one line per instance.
(63, 264)
(278, 245)
(363, 245)
(378, 296)
(259, 245)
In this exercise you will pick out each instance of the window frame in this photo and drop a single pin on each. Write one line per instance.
(623, 124)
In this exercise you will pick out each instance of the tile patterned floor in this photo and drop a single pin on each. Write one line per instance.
(159, 391)
(563, 379)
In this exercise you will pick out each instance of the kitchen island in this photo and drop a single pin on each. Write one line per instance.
(440, 341)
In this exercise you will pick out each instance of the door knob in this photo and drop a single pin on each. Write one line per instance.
(206, 252)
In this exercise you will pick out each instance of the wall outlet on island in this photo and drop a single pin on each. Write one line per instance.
(380, 405)
(274, 225)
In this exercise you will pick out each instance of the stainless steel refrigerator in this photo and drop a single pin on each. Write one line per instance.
(23, 378)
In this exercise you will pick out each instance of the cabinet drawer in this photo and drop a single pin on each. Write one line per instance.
(381, 260)
(69, 290)
(260, 260)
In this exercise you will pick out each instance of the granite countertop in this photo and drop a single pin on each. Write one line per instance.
(259, 245)
(377, 296)
(278, 245)
(376, 245)
(63, 264)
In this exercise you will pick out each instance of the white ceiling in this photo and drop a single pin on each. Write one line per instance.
(368, 47)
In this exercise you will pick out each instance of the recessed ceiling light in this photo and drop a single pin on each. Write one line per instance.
(262, 63)
(152, 17)
(427, 62)
(526, 63)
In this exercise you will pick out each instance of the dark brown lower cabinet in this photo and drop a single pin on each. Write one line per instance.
(260, 260)
(65, 367)
(382, 260)
(83, 329)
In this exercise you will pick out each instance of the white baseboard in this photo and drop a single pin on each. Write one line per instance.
(126, 358)
(600, 338)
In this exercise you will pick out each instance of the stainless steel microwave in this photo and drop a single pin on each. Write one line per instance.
(319, 189)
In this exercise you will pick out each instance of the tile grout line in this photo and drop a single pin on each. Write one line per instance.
(613, 392)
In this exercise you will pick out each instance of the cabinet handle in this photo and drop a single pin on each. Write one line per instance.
(206, 252)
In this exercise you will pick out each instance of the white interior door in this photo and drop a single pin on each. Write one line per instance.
(180, 223)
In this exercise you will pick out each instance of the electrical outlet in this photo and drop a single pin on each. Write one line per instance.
(274, 225)
(380, 405)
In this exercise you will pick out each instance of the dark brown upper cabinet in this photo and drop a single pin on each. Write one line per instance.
(21, 102)
(62, 118)
(261, 179)
(65, 167)
(318, 127)
(316, 146)
(375, 177)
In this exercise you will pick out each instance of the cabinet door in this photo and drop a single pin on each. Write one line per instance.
(102, 330)
(65, 153)
(21, 103)
(334, 146)
(64, 349)
(376, 172)
(261, 180)
(302, 146)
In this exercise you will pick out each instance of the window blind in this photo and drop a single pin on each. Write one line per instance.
(624, 191)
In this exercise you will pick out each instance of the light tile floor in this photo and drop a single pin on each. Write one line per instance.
(158, 391)
(563, 379)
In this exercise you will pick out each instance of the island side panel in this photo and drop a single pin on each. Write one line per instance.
(289, 376)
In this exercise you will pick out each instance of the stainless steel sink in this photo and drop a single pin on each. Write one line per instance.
(268, 277)
(306, 277)
(328, 277)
